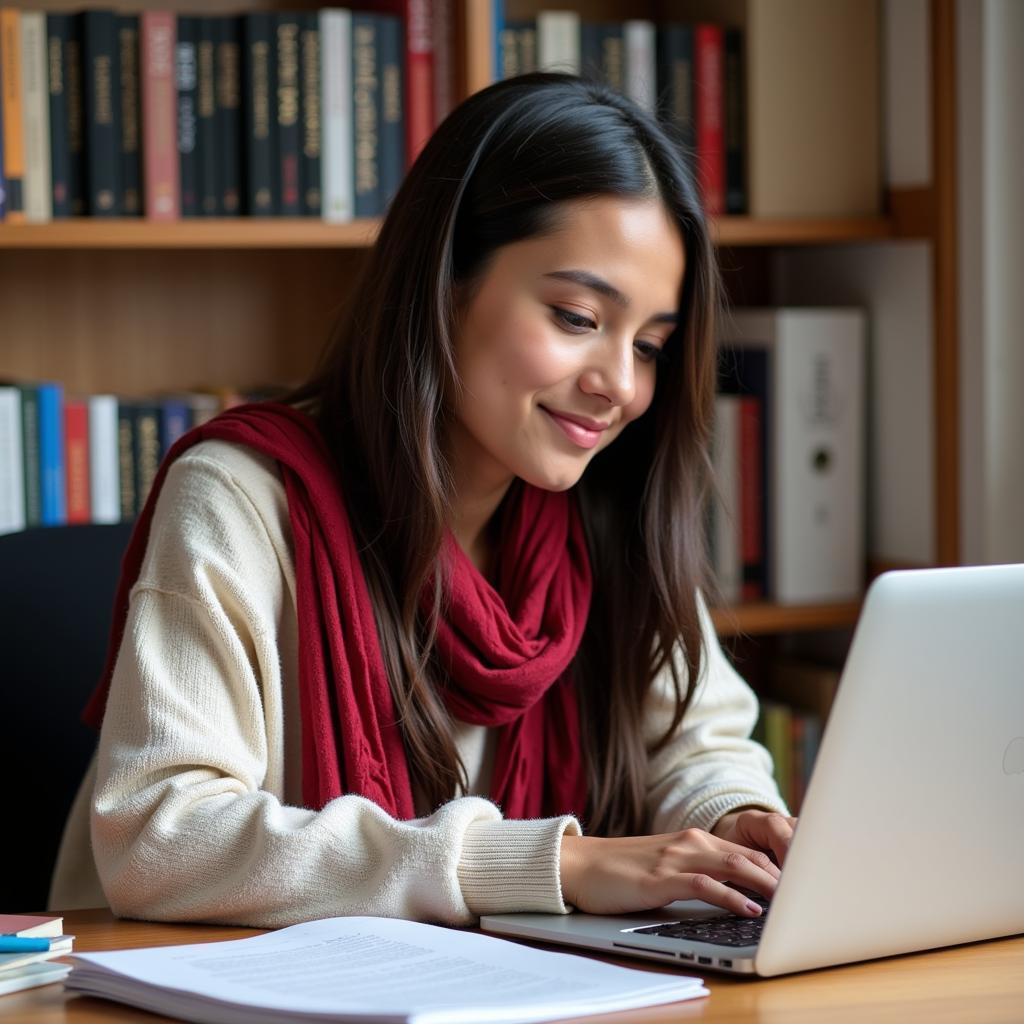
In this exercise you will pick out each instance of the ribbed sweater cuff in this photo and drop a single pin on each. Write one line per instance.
(710, 811)
(512, 866)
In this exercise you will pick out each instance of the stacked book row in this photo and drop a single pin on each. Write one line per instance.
(92, 459)
(315, 113)
(170, 115)
(787, 521)
(690, 75)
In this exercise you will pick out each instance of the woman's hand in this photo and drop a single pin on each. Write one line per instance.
(618, 876)
(759, 830)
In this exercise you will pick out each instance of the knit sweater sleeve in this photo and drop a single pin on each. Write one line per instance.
(710, 766)
(189, 820)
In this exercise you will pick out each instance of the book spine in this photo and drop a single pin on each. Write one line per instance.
(147, 450)
(735, 124)
(261, 114)
(336, 107)
(14, 136)
(104, 469)
(675, 85)
(31, 460)
(419, 77)
(126, 459)
(751, 496)
(443, 37)
(186, 79)
(287, 113)
(58, 33)
(12, 469)
(74, 83)
(207, 140)
(102, 110)
(366, 114)
(708, 47)
(36, 120)
(312, 122)
(558, 41)
(229, 112)
(131, 151)
(51, 455)
(392, 120)
(160, 122)
(641, 73)
(726, 461)
(508, 59)
(76, 452)
(612, 55)
(175, 418)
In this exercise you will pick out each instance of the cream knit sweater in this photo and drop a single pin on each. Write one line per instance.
(191, 808)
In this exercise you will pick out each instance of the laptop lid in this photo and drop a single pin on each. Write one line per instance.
(911, 834)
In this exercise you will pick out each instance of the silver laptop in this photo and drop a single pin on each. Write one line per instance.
(911, 834)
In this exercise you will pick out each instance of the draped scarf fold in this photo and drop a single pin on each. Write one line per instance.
(505, 649)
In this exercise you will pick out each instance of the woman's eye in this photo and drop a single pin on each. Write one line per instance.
(574, 320)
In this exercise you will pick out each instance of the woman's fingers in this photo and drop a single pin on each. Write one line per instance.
(710, 890)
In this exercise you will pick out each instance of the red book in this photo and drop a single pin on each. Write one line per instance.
(76, 460)
(709, 82)
(751, 499)
(162, 185)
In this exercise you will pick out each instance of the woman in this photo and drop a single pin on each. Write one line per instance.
(464, 561)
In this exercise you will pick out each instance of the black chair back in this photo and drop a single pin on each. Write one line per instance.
(57, 588)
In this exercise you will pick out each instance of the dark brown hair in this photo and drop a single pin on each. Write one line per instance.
(495, 172)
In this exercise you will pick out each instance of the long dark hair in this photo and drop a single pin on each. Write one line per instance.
(495, 172)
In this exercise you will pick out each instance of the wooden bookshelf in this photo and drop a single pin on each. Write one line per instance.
(310, 233)
(763, 617)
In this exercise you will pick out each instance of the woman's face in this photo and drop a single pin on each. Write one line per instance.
(568, 323)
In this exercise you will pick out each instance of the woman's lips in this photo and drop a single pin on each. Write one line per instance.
(577, 434)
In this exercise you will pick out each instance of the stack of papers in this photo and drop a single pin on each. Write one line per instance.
(359, 968)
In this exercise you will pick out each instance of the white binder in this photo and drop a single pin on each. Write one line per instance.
(815, 432)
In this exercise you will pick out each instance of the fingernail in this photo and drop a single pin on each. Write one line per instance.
(754, 908)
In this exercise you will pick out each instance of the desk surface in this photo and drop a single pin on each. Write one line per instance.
(978, 983)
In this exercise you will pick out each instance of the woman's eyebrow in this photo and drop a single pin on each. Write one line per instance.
(603, 287)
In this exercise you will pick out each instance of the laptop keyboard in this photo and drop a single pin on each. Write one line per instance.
(729, 930)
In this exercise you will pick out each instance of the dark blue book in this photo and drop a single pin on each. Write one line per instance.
(207, 139)
(51, 454)
(3, 189)
(310, 78)
(366, 114)
(288, 107)
(64, 50)
(602, 53)
(260, 90)
(675, 85)
(186, 78)
(390, 56)
(229, 112)
(735, 123)
(175, 420)
(102, 113)
(131, 117)
(126, 458)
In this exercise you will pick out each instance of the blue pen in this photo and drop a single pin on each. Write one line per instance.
(17, 944)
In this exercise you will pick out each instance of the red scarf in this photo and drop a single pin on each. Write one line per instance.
(506, 648)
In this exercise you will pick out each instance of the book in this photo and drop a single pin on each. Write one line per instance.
(260, 88)
(558, 41)
(709, 86)
(102, 113)
(104, 469)
(186, 78)
(392, 119)
(131, 149)
(311, 128)
(337, 199)
(641, 76)
(12, 470)
(161, 189)
(207, 134)
(287, 108)
(815, 430)
(64, 42)
(12, 114)
(371, 968)
(229, 112)
(366, 114)
(32, 975)
(36, 117)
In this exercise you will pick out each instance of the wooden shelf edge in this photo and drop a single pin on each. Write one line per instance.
(200, 233)
(763, 617)
(309, 233)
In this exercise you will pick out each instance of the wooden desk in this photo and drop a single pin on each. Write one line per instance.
(980, 984)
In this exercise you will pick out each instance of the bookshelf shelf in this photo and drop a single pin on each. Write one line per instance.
(309, 233)
(761, 617)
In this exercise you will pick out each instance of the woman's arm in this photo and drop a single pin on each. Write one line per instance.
(189, 819)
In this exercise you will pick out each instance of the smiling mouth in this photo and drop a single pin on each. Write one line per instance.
(580, 436)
